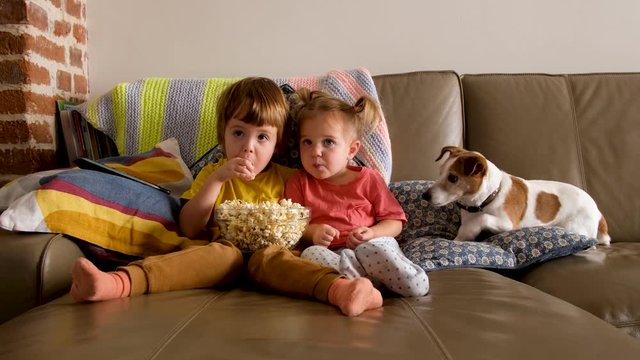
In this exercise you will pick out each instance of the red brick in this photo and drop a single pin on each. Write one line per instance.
(27, 161)
(23, 72)
(80, 84)
(63, 80)
(14, 132)
(41, 132)
(40, 104)
(74, 8)
(75, 57)
(80, 33)
(12, 44)
(61, 28)
(13, 72)
(37, 74)
(12, 102)
(47, 48)
(26, 102)
(37, 17)
(13, 12)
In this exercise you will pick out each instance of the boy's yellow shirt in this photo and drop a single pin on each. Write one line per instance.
(268, 185)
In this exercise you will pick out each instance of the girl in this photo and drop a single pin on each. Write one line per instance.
(354, 216)
(251, 118)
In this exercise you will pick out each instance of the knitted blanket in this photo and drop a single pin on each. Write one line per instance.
(140, 114)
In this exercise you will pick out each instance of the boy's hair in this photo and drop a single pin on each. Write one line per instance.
(364, 114)
(253, 100)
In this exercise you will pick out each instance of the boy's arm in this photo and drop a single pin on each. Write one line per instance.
(196, 212)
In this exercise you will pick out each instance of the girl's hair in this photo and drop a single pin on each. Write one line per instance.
(364, 114)
(253, 100)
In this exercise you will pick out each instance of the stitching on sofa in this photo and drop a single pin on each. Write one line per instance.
(178, 328)
(574, 115)
(431, 334)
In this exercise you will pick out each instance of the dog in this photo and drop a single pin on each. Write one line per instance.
(496, 201)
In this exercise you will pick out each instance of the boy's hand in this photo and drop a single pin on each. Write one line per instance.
(322, 234)
(359, 236)
(236, 167)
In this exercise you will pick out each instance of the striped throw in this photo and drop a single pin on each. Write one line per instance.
(140, 114)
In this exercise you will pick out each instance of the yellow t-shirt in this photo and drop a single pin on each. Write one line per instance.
(267, 185)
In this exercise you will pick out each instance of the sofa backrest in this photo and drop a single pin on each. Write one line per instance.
(583, 129)
(424, 113)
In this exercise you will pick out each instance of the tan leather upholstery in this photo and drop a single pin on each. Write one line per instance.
(580, 129)
(470, 314)
(603, 281)
(576, 128)
(424, 113)
(34, 270)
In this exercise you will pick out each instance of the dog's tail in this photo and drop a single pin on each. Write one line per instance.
(603, 232)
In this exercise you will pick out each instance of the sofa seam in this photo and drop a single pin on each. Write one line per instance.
(574, 116)
(429, 331)
(179, 327)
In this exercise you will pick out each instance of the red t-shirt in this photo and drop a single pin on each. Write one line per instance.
(363, 202)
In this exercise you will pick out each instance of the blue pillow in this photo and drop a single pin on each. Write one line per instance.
(427, 238)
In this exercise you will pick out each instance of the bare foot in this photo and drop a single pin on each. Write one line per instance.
(92, 284)
(353, 297)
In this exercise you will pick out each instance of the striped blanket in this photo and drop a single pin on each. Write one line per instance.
(140, 114)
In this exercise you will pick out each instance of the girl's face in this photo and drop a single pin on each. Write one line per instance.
(327, 144)
(251, 142)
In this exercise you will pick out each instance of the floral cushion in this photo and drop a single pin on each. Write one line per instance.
(427, 238)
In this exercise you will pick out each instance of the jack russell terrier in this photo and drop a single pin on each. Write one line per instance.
(495, 201)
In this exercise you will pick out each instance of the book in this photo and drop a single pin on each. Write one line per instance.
(81, 139)
(72, 146)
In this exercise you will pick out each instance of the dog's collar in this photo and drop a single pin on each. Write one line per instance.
(487, 201)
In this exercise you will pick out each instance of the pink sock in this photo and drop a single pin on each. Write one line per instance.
(353, 297)
(91, 284)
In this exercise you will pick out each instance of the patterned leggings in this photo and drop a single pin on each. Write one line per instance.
(380, 260)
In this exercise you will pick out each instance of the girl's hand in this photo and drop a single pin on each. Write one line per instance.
(236, 167)
(359, 236)
(322, 234)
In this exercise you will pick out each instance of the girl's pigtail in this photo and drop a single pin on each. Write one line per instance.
(368, 115)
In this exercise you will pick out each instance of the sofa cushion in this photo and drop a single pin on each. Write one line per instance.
(162, 165)
(22, 185)
(424, 112)
(603, 281)
(427, 238)
(577, 116)
(469, 314)
(109, 211)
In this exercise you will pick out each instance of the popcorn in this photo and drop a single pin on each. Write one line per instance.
(252, 226)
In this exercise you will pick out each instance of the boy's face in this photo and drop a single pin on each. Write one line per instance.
(251, 142)
(326, 146)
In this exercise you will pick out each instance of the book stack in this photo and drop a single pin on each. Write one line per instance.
(81, 139)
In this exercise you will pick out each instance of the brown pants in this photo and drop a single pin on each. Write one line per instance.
(220, 263)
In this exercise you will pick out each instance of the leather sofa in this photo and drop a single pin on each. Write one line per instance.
(578, 128)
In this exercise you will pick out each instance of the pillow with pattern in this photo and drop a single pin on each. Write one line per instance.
(427, 238)
(111, 213)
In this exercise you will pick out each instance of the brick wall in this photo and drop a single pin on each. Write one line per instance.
(43, 58)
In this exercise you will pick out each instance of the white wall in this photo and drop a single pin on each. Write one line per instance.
(130, 39)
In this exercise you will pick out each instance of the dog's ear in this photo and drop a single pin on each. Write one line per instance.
(453, 150)
(474, 165)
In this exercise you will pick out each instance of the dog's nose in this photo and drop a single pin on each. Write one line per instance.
(426, 196)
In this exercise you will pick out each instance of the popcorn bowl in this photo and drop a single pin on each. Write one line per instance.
(253, 226)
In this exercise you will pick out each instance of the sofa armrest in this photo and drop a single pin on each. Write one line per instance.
(34, 269)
